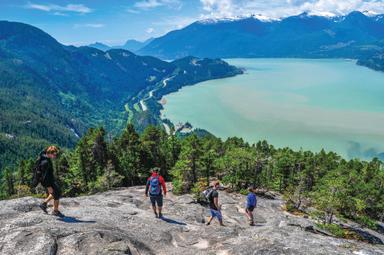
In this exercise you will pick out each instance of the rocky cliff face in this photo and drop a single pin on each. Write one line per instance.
(122, 222)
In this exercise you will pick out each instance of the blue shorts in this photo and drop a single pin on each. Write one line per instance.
(215, 213)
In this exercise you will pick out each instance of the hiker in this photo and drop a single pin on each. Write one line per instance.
(250, 205)
(214, 206)
(155, 187)
(43, 174)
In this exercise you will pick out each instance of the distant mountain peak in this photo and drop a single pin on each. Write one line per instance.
(356, 14)
(100, 46)
(131, 45)
(370, 13)
(303, 15)
(236, 18)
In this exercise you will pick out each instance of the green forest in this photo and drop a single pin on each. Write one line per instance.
(351, 189)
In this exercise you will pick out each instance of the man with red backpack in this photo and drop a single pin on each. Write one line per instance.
(155, 187)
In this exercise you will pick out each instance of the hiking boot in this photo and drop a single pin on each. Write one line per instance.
(43, 206)
(58, 214)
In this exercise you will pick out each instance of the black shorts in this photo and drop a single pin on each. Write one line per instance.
(56, 190)
(157, 200)
(249, 208)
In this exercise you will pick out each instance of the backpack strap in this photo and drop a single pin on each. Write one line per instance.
(210, 194)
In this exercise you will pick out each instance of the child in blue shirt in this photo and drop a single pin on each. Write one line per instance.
(251, 205)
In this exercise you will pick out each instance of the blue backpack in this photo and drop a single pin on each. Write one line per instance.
(154, 186)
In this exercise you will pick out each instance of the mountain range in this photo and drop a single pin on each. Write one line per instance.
(52, 93)
(131, 45)
(355, 35)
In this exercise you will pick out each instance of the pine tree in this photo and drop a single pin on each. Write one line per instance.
(129, 154)
(188, 166)
(8, 182)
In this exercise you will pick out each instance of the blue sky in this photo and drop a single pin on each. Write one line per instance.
(82, 22)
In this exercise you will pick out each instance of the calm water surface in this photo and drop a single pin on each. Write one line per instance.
(300, 103)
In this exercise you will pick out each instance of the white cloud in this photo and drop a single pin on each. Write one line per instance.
(150, 30)
(150, 4)
(90, 25)
(130, 10)
(59, 14)
(219, 7)
(174, 22)
(283, 8)
(60, 9)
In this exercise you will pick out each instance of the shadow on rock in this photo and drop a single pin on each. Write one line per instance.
(172, 221)
(366, 236)
(68, 219)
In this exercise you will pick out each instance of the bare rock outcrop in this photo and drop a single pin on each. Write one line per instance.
(121, 222)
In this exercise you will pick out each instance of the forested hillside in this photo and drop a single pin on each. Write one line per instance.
(345, 188)
(375, 62)
(51, 93)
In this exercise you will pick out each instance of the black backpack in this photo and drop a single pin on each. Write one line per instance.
(206, 194)
(38, 172)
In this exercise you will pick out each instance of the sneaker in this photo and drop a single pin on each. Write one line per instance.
(251, 224)
(208, 223)
(160, 215)
(156, 216)
(58, 214)
(43, 206)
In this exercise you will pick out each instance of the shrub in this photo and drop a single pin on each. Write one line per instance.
(198, 188)
(290, 206)
(365, 221)
(23, 190)
(108, 180)
(177, 186)
(334, 229)
(244, 192)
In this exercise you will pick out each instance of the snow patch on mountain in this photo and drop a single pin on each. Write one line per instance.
(264, 18)
(107, 56)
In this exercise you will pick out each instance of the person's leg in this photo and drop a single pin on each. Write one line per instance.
(210, 217)
(252, 221)
(250, 213)
(56, 194)
(160, 205)
(50, 195)
(247, 213)
(44, 205)
(220, 218)
(153, 203)
(48, 199)
(154, 209)
(56, 204)
(209, 220)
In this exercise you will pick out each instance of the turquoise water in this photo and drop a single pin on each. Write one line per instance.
(299, 103)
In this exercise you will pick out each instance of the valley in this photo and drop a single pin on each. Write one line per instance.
(52, 93)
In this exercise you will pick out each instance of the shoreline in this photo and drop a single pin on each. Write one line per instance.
(347, 151)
